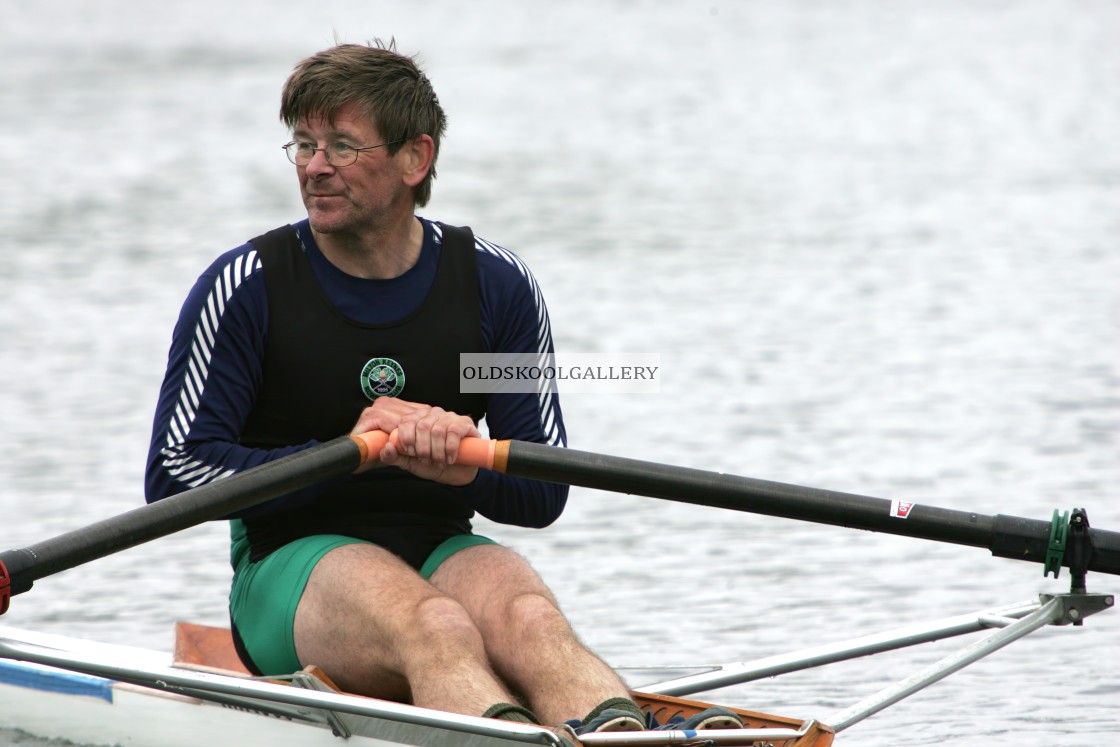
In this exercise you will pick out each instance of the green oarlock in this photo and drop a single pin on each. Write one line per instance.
(1056, 548)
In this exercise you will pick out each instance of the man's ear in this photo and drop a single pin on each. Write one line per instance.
(417, 155)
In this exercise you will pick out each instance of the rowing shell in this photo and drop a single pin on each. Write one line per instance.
(100, 694)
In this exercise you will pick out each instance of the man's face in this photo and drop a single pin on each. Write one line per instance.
(349, 199)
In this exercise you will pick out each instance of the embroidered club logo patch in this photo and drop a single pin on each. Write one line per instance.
(382, 377)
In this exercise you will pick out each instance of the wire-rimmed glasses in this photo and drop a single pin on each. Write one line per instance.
(300, 152)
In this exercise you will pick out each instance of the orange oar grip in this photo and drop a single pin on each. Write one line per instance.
(476, 452)
(483, 453)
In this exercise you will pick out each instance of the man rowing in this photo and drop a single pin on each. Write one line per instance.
(353, 320)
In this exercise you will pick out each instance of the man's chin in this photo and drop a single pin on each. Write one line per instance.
(326, 222)
(324, 227)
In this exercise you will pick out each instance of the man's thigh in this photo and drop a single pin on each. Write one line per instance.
(357, 602)
(264, 597)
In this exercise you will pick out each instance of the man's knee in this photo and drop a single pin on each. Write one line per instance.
(532, 614)
(441, 618)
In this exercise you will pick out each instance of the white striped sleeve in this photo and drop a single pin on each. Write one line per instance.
(547, 403)
(176, 459)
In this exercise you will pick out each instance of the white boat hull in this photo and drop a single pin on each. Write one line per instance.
(177, 706)
(56, 704)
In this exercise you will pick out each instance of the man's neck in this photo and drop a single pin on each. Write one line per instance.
(383, 254)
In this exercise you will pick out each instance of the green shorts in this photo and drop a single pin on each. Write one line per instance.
(264, 595)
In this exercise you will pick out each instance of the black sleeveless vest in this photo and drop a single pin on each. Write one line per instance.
(318, 367)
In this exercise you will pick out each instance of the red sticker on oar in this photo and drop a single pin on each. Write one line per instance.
(901, 509)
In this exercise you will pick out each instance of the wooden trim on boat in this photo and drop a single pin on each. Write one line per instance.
(665, 707)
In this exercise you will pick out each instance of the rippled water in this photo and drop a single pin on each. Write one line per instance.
(874, 243)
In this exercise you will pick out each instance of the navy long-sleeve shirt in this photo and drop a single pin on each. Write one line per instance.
(215, 365)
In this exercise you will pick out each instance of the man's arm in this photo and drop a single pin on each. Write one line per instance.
(210, 385)
(515, 320)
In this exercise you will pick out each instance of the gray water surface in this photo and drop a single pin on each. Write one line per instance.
(874, 243)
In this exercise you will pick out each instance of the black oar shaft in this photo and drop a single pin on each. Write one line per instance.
(1005, 536)
(211, 501)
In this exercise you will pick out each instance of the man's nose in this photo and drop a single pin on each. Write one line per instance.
(319, 164)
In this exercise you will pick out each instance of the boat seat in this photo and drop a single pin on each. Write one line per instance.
(206, 648)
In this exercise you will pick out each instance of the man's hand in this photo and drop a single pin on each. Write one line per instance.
(428, 438)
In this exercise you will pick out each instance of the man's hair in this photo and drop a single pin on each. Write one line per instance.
(388, 87)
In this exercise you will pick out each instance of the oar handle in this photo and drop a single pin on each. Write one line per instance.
(483, 453)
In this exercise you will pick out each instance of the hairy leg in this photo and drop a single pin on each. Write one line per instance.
(528, 640)
(377, 628)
